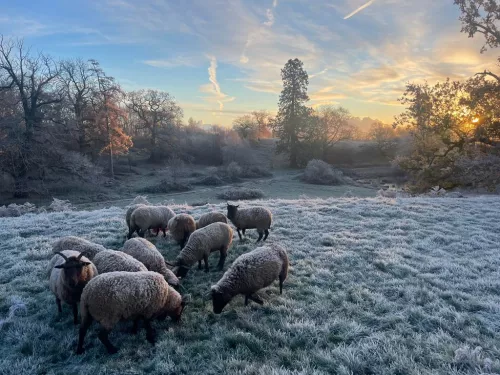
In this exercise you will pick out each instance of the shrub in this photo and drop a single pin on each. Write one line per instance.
(166, 186)
(233, 171)
(210, 181)
(255, 171)
(14, 210)
(241, 193)
(59, 205)
(321, 173)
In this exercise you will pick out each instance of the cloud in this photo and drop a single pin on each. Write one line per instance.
(170, 63)
(213, 87)
(359, 9)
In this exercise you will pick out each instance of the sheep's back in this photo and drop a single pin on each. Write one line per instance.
(78, 244)
(114, 296)
(253, 217)
(210, 218)
(111, 260)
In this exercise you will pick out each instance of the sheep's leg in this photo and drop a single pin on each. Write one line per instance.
(222, 259)
(256, 298)
(103, 336)
(205, 259)
(281, 284)
(157, 232)
(83, 331)
(239, 234)
(164, 232)
(246, 299)
(135, 327)
(58, 303)
(150, 332)
(199, 265)
(243, 232)
(140, 232)
(267, 234)
(75, 314)
(261, 234)
(130, 233)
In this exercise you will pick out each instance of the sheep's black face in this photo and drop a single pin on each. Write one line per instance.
(182, 271)
(73, 269)
(231, 211)
(219, 301)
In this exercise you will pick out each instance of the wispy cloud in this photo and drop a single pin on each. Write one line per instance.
(251, 36)
(213, 87)
(359, 9)
(170, 63)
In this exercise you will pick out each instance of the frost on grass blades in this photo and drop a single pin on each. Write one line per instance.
(376, 286)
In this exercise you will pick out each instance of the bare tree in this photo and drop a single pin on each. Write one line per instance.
(158, 114)
(32, 79)
(330, 127)
(78, 80)
(262, 119)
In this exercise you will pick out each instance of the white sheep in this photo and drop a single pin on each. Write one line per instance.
(111, 261)
(213, 237)
(149, 217)
(249, 273)
(70, 271)
(116, 296)
(78, 244)
(209, 218)
(147, 253)
(259, 218)
(180, 227)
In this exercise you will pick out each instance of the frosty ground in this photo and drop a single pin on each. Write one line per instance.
(376, 286)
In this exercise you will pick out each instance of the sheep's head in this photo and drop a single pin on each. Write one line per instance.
(219, 299)
(180, 269)
(73, 267)
(177, 314)
(231, 211)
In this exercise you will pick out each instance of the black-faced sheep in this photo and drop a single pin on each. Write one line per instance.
(209, 218)
(180, 227)
(116, 296)
(147, 253)
(250, 218)
(111, 261)
(213, 237)
(249, 273)
(70, 271)
(149, 217)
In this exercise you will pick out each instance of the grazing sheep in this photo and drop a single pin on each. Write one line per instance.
(209, 218)
(213, 237)
(180, 227)
(249, 273)
(116, 296)
(131, 209)
(149, 217)
(78, 244)
(250, 218)
(70, 271)
(111, 261)
(147, 253)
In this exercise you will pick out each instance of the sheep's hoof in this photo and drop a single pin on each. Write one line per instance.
(80, 351)
(112, 350)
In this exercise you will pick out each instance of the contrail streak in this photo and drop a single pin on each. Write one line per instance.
(359, 9)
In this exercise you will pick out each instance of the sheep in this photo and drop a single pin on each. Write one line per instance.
(180, 227)
(116, 296)
(70, 271)
(149, 217)
(249, 273)
(213, 237)
(250, 218)
(131, 209)
(111, 260)
(209, 218)
(147, 253)
(78, 244)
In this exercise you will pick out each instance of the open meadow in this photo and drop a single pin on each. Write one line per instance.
(376, 286)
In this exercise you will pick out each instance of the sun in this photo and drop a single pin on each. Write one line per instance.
(476, 120)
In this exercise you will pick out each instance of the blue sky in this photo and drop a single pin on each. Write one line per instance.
(222, 58)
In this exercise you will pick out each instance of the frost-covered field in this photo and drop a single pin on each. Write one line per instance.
(408, 286)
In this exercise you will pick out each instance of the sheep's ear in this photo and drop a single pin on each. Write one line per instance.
(81, 255)
(86, 263)
(59, 266)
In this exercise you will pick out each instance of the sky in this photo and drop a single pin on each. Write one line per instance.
(222, 58)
